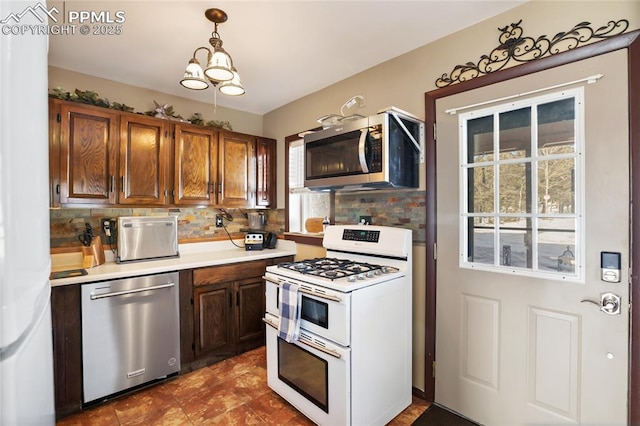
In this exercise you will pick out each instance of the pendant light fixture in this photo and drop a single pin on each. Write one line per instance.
(220, 69)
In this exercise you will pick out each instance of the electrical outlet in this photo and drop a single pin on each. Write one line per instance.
(365, 220)
(219, 223)
(106, 227)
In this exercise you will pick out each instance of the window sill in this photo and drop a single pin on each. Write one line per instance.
(313, 239)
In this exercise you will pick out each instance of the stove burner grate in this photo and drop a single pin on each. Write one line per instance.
(333, 269)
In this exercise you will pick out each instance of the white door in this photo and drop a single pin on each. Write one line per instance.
(515, 343)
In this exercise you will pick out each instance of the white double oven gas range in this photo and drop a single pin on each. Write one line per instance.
(351, 364)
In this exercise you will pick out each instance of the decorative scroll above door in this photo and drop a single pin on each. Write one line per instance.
(514, 47)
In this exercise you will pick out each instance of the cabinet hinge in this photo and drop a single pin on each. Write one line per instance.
(58, 117)
(433, 369)
(435, 132)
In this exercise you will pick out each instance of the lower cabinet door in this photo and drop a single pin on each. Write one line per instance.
(213, 309)
(251, 308)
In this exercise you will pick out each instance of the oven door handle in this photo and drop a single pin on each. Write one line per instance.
(321, 348)
(305, 291)
(268, 322)
(311, 344)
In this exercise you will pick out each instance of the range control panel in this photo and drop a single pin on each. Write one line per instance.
(366, 235)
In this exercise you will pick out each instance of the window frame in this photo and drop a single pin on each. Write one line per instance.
(289, 140)
(534, 160)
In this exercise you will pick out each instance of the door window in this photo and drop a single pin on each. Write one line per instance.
(521, 168)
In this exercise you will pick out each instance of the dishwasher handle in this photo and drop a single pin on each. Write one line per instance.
(135, 290)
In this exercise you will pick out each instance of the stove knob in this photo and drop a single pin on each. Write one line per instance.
(384, 270)
(351, 278)
(377, 272)
(370, 274)
(360, 276)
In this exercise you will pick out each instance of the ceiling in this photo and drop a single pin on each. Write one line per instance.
(283, 50)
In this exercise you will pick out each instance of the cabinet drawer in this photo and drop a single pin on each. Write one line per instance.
(227, 273)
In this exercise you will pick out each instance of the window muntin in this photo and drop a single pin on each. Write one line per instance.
(521, 210)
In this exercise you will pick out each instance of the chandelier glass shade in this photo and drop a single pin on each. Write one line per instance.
(232, 87)
(219, 68)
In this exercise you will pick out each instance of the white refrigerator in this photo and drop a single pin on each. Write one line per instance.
(26, 360)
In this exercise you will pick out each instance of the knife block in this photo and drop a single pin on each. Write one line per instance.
(94, 254)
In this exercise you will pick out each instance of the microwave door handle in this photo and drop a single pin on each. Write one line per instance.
(361, 150)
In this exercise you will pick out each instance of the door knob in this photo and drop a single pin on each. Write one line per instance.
(609, 303)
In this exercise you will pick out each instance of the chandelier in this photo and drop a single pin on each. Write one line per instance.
(220, 69)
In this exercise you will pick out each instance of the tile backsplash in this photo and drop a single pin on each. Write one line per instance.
(401, 208)
(194, 224)
(390, 207)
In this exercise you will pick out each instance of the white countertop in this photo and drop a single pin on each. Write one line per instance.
(193, 255)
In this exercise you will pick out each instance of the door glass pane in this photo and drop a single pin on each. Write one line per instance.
(481, 242)
(515, 134)
(515, 188)
(556, 186)
(480, 139)
(529, 190)
(481, 190)
(515, 242)
(556, 127)
(557, 244)
(305, 372)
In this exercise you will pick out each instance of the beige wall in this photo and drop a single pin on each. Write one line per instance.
(142, 99)
(402, 82)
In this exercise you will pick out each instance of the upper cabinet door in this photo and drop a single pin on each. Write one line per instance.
(195, 167)
(265, 172)
(143, 160)
(88, 154)
(237, 171)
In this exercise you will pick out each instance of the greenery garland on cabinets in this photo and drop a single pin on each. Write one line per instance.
(161, 111)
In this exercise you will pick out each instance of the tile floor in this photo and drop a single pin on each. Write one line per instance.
(231, 392)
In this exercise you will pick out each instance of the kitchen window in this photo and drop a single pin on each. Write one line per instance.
(302, 203)
(522, 187)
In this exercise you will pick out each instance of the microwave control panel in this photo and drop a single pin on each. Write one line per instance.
(366, 235)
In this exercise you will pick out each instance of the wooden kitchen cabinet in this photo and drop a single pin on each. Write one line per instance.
(88, 154)
(237, 174)
(106, 157)
(265, 172)
(228, 309)
(221, 316)
(144, 158)
(195, 165)
(103, 157)
(229, 316)
(54, 153)
(67, 349)
(213, 310)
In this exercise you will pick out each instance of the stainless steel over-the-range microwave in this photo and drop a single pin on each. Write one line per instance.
(383, 150)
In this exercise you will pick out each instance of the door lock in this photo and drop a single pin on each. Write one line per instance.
(609, 303)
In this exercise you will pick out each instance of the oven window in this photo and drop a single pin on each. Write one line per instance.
(315, 311)
(305, 372)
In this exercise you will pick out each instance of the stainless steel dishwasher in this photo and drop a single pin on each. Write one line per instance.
(130, 333)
